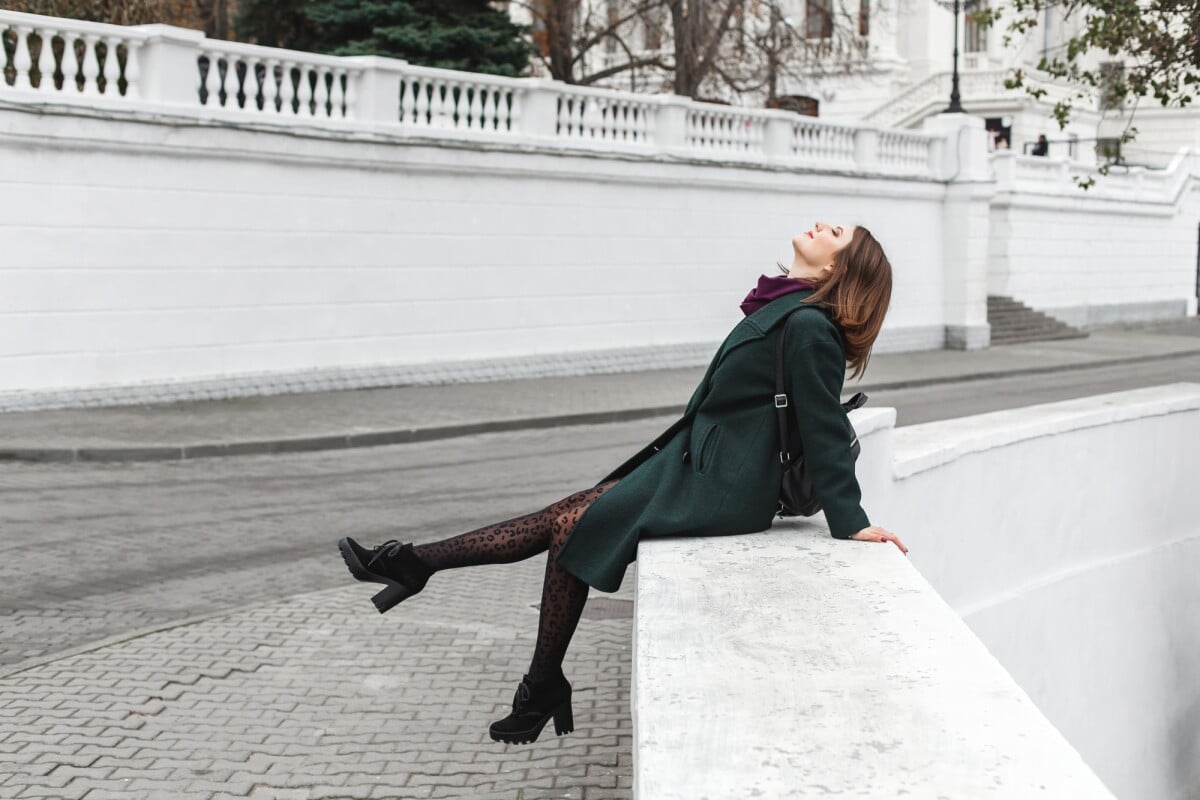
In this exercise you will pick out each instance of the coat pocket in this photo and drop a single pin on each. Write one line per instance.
(706, 452)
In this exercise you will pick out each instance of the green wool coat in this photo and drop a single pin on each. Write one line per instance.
(716, 470)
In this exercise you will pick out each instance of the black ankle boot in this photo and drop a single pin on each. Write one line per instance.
(533, 705)
(390, 563)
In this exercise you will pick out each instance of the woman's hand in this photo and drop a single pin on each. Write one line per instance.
(874, 533)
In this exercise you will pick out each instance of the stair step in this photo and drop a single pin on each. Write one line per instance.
(1013, 322)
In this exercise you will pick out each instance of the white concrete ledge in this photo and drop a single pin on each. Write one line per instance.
(790, 664)
(933, 444)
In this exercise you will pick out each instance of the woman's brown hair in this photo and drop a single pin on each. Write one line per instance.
(858, 294)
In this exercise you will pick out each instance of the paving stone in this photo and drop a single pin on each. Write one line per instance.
(213, 726)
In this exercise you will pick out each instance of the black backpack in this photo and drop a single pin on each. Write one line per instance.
(796, 496)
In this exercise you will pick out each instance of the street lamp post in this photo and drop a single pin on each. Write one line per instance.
(955, 106)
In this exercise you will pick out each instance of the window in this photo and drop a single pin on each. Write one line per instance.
(974, 36)
(818, 19)
(1112, 76)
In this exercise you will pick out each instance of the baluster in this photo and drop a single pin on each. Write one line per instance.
(509, 105)
(425, 103)
(490, 110)
(408, 102)
(202, 78)
(593, 124)
(348, 95)
(562, 120)
(45, 81)
(435, 103)
(287, 89)
(332, 91)
(336, 94)
(21, 61)
(455, 106)
(223, 88)
(322, 93)
(336, 97)
(423, 118)
(306, 91)
(133, 68)
(270, 89)
(91, 67)
(110, 71)
(475, 108)
(447, 104)
(581, 116)
(70, 63)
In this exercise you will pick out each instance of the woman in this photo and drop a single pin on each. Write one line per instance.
(715, 471)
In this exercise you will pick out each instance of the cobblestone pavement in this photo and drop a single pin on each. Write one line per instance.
(307, 691)
(269, 674)
(314, 697)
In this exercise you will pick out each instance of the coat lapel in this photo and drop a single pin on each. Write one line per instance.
(757, 324)
(752, 328)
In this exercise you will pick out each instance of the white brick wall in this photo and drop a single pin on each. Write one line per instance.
(137, 251)
(1112, 251)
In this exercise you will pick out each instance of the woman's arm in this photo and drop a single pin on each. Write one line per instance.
(818, 370)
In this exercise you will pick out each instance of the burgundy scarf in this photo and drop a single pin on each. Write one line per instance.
(771, 286)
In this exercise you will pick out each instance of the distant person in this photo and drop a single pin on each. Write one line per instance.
(1001, 142)
(715, 471)
(1041, 147)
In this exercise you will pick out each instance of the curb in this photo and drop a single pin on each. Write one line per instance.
(412, 435)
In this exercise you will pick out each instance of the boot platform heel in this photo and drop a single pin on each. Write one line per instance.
(533, 705)
(393, 594)
(564, 720)
(393, 564)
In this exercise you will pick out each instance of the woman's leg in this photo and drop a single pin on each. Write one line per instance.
(563, 594)
(512, 540)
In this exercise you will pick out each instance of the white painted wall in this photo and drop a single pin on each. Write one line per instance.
(150, 241)
(1066, 537)
(1123, 249)
(1070, 544)
(144, 251)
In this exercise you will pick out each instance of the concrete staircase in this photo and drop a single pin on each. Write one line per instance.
(1012, 321)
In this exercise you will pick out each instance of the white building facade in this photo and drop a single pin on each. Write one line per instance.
(890, 63)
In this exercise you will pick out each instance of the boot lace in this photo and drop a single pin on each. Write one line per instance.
(390, 548)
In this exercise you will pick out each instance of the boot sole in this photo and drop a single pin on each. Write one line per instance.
(564, 723)
(384, 600)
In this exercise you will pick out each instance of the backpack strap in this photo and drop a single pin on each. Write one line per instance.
(781, 398)
(782, 402)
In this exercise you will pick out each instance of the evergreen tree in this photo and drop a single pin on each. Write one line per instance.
(465, 35)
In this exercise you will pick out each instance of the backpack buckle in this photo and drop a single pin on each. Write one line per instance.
(781, 401)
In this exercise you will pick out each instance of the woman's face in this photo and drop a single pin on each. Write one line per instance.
(819, 245)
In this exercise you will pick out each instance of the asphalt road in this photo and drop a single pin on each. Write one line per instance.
(90, 551)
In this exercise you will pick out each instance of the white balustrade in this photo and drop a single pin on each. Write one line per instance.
(69, 58)
(822, 142)
(725, 131)
(463, 101)
(904, 152)
(272, 81)
(603, 115)
(163, 66)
